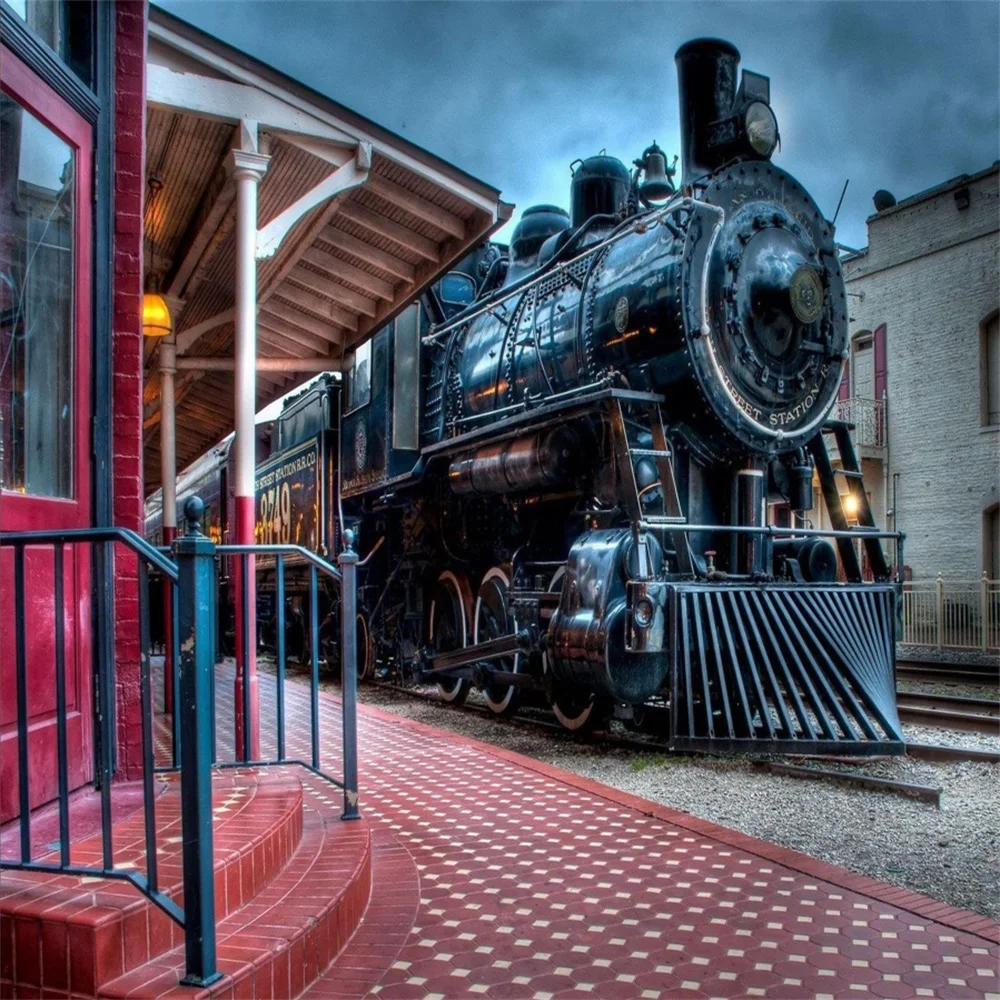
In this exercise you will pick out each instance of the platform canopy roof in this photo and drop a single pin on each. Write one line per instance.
(353, 222)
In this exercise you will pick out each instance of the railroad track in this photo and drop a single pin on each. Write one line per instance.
(939, 673)
(971, 715)
(929, 794)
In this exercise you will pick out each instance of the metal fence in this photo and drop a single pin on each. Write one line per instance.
(868, 418)
(952, 614)
(189, 569)
(99, 549)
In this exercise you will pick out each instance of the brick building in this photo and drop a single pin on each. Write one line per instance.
(921, 385)
(72, 133)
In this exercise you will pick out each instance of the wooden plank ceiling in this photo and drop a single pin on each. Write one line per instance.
(346, 267)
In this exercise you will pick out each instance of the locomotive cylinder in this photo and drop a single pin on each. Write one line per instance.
(535, 461)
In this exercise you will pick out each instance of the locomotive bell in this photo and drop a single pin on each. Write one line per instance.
(656, 185)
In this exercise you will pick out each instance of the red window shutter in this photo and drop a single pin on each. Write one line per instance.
(844, 391)
(880, 366)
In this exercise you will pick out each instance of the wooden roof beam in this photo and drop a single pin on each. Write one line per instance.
(297, 343)
(317, 290)
(293, 253)
(199, 237)
(346, 176)
(325, 330)
(376, 223)
(419, 207)
(366, 252)
(338, 268)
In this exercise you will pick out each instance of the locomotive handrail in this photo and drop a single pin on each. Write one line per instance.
(126, 536)
(256, 550)
(773, 530)
(543, 411)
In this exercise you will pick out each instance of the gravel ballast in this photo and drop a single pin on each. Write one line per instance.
(951, 854)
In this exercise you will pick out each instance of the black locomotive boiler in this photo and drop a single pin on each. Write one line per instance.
(563, 487)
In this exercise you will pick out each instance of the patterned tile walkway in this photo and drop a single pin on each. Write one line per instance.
(528, 882)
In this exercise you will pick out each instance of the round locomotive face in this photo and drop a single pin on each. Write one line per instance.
(765, 308)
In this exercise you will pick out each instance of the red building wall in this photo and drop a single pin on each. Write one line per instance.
(130, 139)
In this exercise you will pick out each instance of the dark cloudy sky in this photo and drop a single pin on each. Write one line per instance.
(891, 94)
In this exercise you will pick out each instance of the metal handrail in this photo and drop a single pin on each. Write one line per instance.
(346, 576)
(135, 542)
(199, 929)
(257, 550)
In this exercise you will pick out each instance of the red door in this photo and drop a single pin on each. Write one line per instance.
(45, 284)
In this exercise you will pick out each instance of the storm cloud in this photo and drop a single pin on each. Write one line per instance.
(891, 95)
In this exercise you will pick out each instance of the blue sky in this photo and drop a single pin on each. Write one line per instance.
(891, 95)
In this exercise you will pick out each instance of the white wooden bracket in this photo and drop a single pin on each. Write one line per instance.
(351, 174)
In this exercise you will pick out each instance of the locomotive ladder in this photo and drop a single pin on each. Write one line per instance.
(850, 470)
(626, 454)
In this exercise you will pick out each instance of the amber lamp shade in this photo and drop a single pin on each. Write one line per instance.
(156, 321)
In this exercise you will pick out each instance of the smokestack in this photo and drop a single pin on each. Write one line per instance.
(706, 88)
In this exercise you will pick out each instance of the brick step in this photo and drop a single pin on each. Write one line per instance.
(66, 933)
(391, 913)
(280, 942)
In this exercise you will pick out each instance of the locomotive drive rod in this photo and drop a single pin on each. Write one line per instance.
(493, 649)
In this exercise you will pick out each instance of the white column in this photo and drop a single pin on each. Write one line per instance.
(168, 492)
(247, 168)
(168, 438)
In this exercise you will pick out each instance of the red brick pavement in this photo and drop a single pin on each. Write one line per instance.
(496, 875)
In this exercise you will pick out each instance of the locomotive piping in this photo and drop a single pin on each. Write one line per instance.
(529, 282)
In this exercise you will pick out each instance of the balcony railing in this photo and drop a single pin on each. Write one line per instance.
(868, 417)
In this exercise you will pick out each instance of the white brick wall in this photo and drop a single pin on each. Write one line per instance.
(931, 275)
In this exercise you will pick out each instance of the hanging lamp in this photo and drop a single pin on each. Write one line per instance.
(156, 318)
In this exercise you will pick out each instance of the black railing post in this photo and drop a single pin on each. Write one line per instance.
(348, 561)
(195, 558)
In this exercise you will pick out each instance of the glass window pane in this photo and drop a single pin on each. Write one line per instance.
(457, 288)
(406, 381)
(66, 26)
(36, 305)
(359, 387)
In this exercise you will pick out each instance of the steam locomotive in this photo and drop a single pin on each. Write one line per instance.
(561, 490)
(558, 462)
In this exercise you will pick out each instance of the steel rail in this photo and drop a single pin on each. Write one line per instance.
(924, 793)
(960, 721)
(985, 707)
(942, 674)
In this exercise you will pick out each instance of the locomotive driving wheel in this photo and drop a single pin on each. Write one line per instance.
(494, 619)
(448, 627)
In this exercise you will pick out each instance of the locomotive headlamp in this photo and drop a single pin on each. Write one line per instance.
(642, 614)
(761, 128)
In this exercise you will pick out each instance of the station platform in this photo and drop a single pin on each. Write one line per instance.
(486, 873)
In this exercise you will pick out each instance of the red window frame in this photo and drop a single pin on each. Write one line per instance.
(26, 512)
